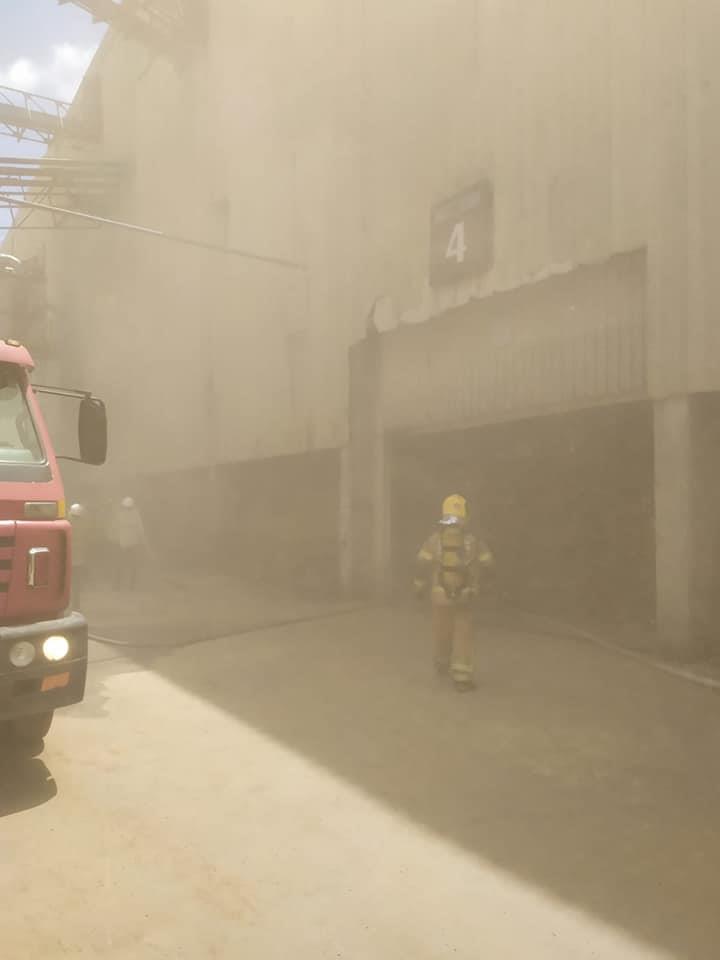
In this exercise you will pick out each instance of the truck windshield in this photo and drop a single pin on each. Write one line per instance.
(19, 441)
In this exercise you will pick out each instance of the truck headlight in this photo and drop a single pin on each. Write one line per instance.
(56, 648)
(22, 653)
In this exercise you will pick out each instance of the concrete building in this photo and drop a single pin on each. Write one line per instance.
(502, 217)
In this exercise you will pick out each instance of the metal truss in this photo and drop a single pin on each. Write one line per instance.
(54, 181)
(26, 116)
(161, 25)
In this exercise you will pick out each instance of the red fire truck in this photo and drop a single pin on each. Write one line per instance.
(43, 645)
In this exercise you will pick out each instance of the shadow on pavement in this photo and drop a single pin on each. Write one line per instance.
(585, 775)
(25, 781)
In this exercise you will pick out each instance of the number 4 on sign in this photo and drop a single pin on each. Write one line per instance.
(457, 248)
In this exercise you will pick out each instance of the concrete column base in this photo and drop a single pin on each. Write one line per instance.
(674, 526)
(345, 525)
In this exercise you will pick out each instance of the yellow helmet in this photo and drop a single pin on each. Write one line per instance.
(454, 509)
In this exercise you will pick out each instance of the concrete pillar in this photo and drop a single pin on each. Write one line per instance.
(362, 468)
(382, 492)
(367, 474)
(669, 184)
(673, 523)
(673, 315)
(345, 524)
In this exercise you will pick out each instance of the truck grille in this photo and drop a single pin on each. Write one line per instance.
(7, 552)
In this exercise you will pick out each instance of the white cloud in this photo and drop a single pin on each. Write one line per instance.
(59, 77)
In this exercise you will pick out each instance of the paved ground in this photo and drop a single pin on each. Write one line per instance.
(311, 791)
(181, 609)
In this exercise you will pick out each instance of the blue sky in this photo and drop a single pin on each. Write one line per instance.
(45, 48)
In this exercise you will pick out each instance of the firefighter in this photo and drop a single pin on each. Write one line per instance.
(80, 536)
(453, 563)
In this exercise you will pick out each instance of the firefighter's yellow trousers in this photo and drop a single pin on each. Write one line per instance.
(453, 639)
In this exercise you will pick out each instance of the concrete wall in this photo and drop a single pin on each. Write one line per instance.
(569, 341)
(324, 133)
(684, 285)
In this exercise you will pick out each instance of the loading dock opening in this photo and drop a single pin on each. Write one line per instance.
(565, 500)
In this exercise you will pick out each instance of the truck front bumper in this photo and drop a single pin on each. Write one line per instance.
(43, 685)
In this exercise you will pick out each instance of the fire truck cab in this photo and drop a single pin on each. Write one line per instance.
(43, 645)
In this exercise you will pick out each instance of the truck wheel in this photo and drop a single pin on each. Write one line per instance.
(33, 728)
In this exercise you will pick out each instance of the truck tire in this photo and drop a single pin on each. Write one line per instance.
(33, 728)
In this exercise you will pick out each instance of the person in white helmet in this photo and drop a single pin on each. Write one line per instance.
(127, 533)
(80, 536)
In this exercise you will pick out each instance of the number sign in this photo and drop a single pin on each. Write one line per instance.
(461, 235)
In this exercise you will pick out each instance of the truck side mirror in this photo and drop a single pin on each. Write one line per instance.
(92, 431)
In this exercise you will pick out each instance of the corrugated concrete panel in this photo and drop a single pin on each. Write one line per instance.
(569, 342)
